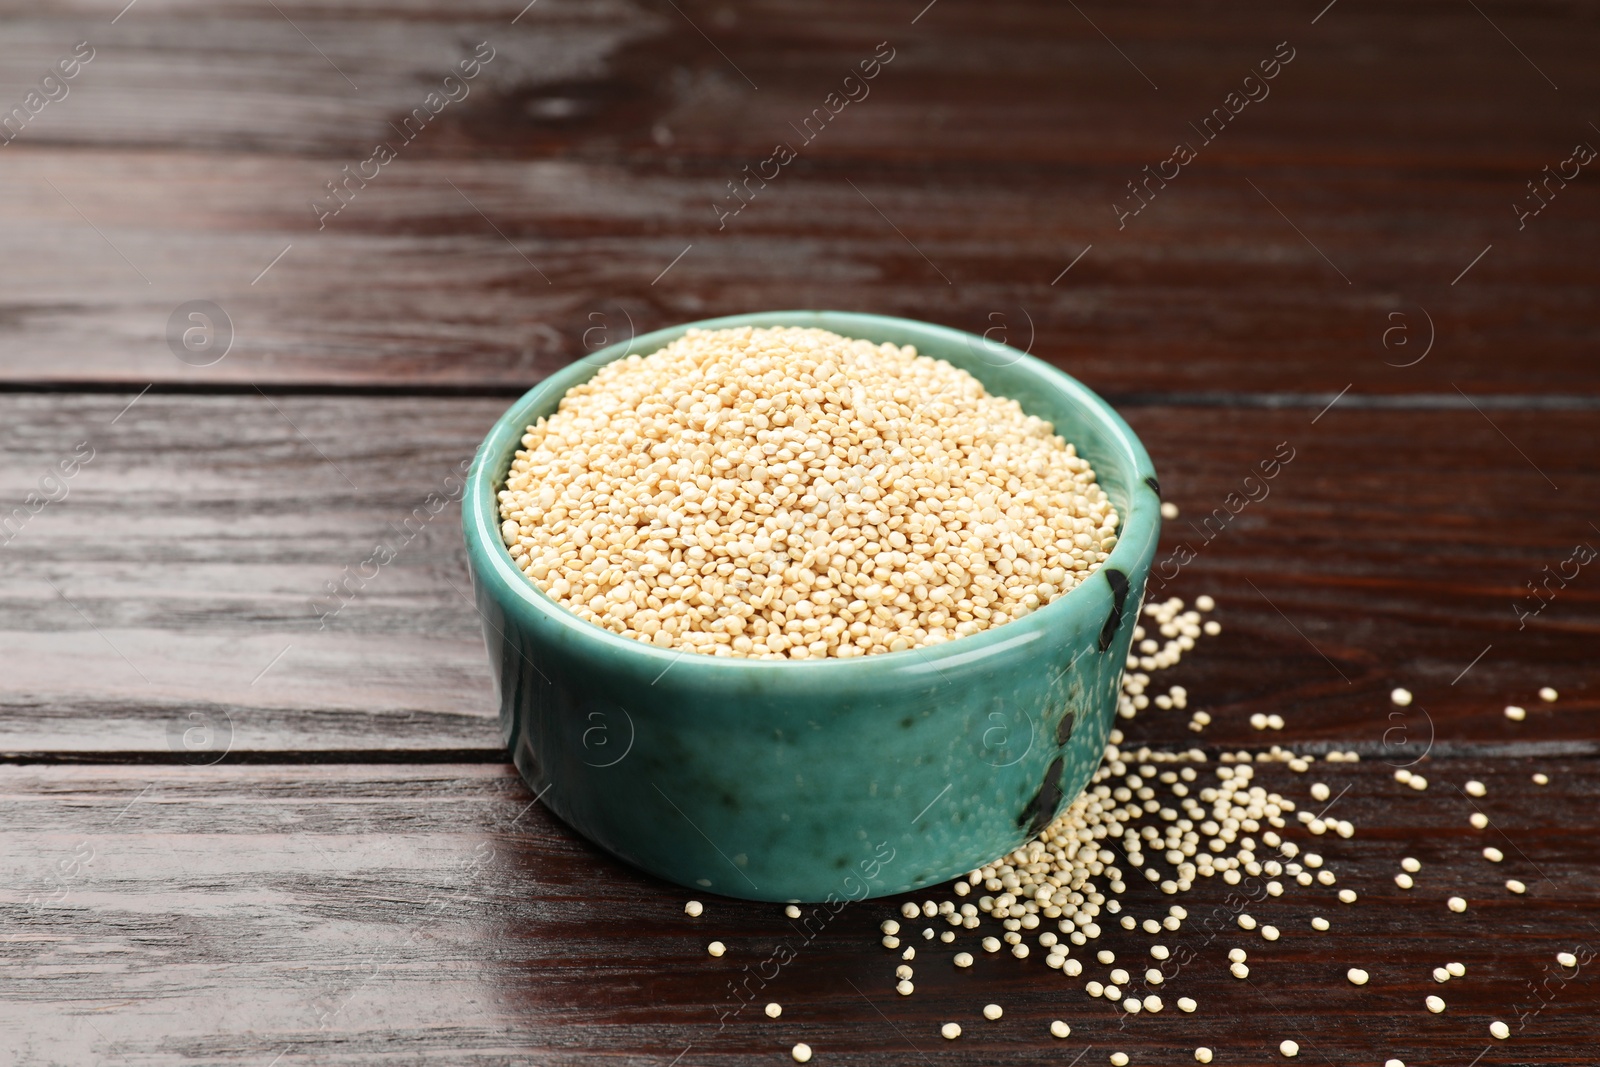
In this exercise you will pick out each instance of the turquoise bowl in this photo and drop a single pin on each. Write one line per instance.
(825, 780)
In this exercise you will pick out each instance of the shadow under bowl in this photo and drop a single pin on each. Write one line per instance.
(825, 780)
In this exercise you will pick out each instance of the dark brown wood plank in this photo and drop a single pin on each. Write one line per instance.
(183, 572)
(364, 915)
(596, 142)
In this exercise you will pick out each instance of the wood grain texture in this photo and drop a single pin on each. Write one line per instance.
(185, 571)
(361, 915)
(592, 149)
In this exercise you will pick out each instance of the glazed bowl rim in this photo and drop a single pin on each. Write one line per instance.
(1135, 530)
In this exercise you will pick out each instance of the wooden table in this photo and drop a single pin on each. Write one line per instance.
(233, 836)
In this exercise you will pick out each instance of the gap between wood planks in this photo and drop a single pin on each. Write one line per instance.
(1201, 399)
(1466, 750)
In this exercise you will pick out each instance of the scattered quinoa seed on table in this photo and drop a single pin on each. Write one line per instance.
(774, 1010)
(693, 909)
(716, 948)
(790, 493)
(950, 1031)
(801, 1052)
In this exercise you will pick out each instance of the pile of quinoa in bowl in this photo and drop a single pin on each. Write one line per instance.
(786, 492)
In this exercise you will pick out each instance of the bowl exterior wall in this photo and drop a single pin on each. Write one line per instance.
(830, 780)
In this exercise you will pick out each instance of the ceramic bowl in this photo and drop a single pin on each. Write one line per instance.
(824, 780)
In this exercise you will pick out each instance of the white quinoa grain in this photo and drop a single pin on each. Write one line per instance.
(1318, 923)
(774, 1010)
(963, 959)
(1566, 959)
(1159, 952)
(1319, 792)
(1493, 855)
(1169, 510)
(1202, 1055)
(890, 927)
(1475, 788)
(1456, 970)
(1400, 697)
(1239, 970)
(1418, 782)
(904, 987)
(1271, 933)
(1499, 1030)
(1152, 1003)
(1478, 820)
(1357, 976)
(1548, 695)
(1435, 1004)
(890, 941)
(909, 910)
(1403, 880)
(1106, 956)
(1441, 974)
(1347, 896)
(950, 1031)
(1456, 904)
(1409, 864)
(801, 1053)
(1394, 1063)
(1060, 1029)
(1540, 778)
(990, 944)
(1020, 951)
(791, 493)
(1119, 1059)
(1516, 886)
(1186, 1004)
(1246, 922)
(903, 971)
(1237, 955)
(909, 954)
(716, 948)
(693, 909)
(1515, 714)
(792, 912)
(1204, 603)
(1289, 1049)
